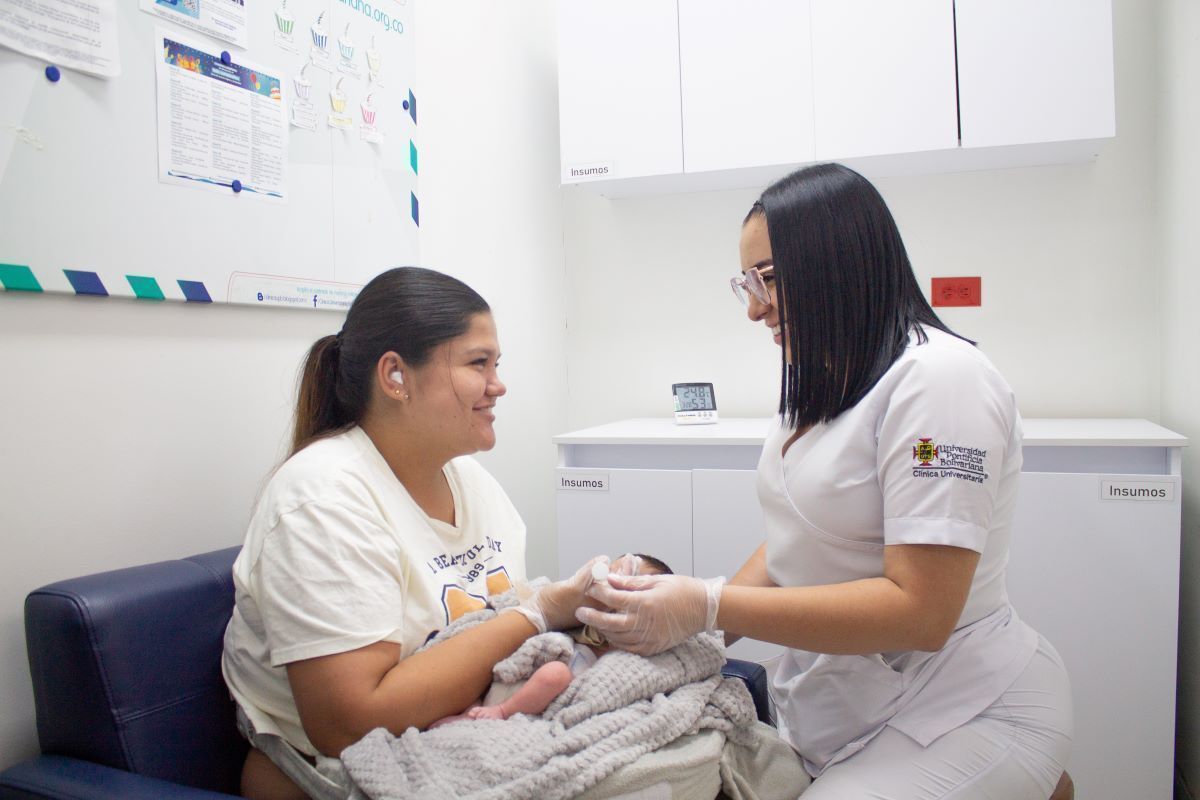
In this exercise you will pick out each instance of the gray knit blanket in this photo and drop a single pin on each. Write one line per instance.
(621, 708)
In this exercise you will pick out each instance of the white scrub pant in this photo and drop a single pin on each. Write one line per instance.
(1015, 750)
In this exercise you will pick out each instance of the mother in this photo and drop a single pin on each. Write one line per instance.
(374, 533)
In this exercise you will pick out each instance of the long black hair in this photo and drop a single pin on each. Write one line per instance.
(845, 289)
(406, 310)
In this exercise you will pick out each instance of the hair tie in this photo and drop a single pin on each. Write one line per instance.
(337, 340)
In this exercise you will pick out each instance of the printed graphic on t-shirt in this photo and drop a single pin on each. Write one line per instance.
(939, 460)
(456, 602)
(470, 577)
(498, 581)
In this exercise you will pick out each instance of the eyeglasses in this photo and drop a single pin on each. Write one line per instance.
(753, 283)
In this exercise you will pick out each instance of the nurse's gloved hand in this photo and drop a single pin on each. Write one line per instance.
(552, 607)
(628, 564)
(652, 613)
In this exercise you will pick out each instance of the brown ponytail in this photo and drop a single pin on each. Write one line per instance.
(317, 412)
(406, 310)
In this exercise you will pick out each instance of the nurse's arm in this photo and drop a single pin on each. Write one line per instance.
(752, 573)
(342, 697)
(914, 605)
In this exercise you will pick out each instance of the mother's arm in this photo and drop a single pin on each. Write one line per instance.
(342, 697)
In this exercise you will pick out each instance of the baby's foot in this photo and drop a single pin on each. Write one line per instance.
(486, 712)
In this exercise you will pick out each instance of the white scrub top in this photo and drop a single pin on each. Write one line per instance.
(931, 455)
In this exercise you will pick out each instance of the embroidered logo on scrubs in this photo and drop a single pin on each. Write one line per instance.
(932, 460)
(925, 452)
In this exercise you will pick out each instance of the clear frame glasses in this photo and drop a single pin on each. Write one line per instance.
(753, 283)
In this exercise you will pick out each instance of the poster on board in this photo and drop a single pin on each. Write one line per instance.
(87, 214)
(222, 124)
(221, 19)
(82, 37)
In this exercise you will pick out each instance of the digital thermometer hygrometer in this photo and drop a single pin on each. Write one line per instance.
(695, 403)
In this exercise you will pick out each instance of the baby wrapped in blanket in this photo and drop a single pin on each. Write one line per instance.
(508, 695)
(621, 708)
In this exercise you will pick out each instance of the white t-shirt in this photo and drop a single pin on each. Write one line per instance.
(931, 455)
(339, 556)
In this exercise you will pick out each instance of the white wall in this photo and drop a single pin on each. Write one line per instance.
(1067, 256)
(1179, 177)
(133, 431)
(490, 213)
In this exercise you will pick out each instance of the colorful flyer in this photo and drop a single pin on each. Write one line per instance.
(368, 132)
(285, 29)
(84, 39)
(222, 126)
(338, 118)
(222, 19)
(304, 113)
(318, 53)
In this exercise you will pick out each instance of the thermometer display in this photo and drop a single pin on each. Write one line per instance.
(695, 403)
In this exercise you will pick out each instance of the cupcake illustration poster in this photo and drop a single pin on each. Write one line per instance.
(368, 47)
(354, 37)
(371, 42)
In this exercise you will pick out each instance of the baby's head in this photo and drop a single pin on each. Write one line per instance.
(649, 565)
(635, 563)
(631, 564)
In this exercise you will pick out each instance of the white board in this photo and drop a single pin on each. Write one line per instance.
(83, 209)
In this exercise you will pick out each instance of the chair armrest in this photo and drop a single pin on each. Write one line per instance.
(755, 677)
(63, 778)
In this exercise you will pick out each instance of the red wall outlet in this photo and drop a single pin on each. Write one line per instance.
(957, 292)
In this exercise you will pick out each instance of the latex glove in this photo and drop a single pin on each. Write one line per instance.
(628, 564)
(552, 607)
(651, 613)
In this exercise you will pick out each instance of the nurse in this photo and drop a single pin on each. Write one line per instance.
(888, 484)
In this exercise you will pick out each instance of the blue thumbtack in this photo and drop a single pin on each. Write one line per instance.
(226, 59)
(405, 104)
(236, 185)
(53, 74)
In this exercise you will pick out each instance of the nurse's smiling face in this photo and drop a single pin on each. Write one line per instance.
(755, 252)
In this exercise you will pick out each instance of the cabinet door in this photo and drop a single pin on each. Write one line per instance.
(1035, 71)
(1100, 580)
(618, 89)
(746, 82)
(883, 77)
(727, 527)
(642, 511)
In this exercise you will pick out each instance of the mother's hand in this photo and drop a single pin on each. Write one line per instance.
(553, 607)
(651, 613)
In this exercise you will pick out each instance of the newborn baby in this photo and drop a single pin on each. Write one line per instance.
(548, 681)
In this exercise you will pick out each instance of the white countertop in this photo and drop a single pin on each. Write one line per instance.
(743, 431)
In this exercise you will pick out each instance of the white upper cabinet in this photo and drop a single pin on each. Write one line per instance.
(883, 77)
(618, 89)
(676, 95)
(1035, 71)
(746, 83)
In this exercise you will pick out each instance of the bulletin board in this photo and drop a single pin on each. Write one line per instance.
(262, 152)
